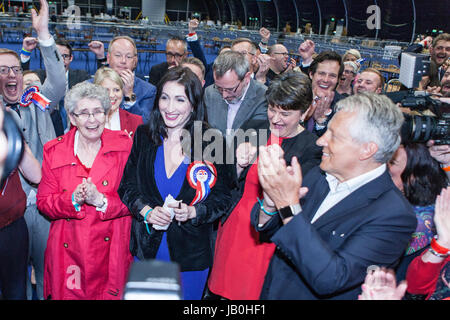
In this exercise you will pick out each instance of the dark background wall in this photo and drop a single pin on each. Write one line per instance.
(397, 16)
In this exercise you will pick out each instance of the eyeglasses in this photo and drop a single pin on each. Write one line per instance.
(246, 52)
(283, 53)
(66, 56)
(174, 55)
(4, 70)
(84, 116)
(233, 90)
(121, 56)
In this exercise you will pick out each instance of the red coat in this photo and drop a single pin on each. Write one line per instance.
(87, 255)
(129, 121)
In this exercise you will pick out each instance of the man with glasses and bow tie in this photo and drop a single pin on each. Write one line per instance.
(35, 124)
(234, 97)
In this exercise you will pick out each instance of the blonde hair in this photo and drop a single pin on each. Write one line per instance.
(107, 73)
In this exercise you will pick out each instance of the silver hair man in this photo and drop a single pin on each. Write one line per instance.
(378, 120)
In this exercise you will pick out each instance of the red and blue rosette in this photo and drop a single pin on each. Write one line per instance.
(202, 176)
(32, 95)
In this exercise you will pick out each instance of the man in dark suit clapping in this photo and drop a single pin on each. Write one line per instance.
(350, 216)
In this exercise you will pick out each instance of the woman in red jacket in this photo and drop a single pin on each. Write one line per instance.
(87, 255)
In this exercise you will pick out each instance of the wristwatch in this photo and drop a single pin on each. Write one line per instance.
(289, 211)
(130, 99)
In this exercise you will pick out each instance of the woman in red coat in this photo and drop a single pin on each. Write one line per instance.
(87, 255)
(117, 118)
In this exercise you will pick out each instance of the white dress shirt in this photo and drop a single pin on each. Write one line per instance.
(233, 109)
(339, 191)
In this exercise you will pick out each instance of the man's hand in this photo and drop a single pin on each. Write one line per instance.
(322, 105)
(193, 25)
(265, 34)
(128, 81)
(280, 182)
(29, 43)
(40, 21)
(264, 61)
(98, 48)
(306, 51)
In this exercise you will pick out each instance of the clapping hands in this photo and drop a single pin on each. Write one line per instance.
(86, 192)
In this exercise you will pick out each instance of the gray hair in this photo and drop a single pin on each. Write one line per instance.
(231, 60)
(378, 120)
(87, 90)
(352, 65)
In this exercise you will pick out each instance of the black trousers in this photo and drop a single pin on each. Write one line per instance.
(13, 260)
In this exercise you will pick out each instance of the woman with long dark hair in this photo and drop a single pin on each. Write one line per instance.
(175, 193)
(421, 179)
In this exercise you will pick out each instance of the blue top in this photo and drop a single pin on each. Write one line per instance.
(192, 282)
(167, 186)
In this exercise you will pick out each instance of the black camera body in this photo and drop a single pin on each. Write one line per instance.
(15, 145)
(420, 127)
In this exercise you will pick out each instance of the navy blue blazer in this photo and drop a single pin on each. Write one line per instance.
(197, 52)
(329, 258)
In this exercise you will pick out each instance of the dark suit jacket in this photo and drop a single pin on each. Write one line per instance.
(75, 75)
(157, 72)
(253, 107)
(190, 242)
(329, 258)
(197, 52)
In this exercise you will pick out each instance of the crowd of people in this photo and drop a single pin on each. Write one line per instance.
(261, 177)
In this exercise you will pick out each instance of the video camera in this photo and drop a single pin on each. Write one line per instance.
(420, 127)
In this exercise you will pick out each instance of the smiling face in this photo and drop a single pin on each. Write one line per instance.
(30, 78)
(325, 78)
(284, 123)
(440, 52)
(11, 84)
(174, 105)
(115, 93)
(347, 76)
(397, 165)
(341, 153)
(367, 82)
(90, 129)
(280, 57)
(230, 87)
(122, 56)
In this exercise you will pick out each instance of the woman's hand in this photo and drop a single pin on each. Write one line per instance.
(182, 211)
(93, 196)
(442, 217)
(245, 153)
(79, 194)
(381, 285)
(159, 216)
